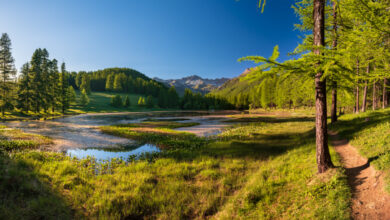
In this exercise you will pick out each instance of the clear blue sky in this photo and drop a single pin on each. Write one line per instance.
(163, 38)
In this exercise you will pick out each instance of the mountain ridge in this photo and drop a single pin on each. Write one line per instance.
(193, 82)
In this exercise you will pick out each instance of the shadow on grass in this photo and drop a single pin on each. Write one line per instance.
(23, 195)
(260, 147)
(349, 127)
(268, 119)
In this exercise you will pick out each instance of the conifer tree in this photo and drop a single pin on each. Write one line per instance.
(173, 97)
(117, 86)
(36, 80)
(72, 94)
(116, 101)
(110, 82)
(127, 102)
(84, 99)
(45, 85)
(85, 84)
(54, 84)
(7, 72)
(64, 84)
(149, 102)
(24, 90)
(141, 101)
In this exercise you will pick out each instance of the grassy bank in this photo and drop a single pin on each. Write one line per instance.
(257, 170)
(100, 103)
(369, 133)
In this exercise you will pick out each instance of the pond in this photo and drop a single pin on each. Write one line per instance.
(101, 154)
(80, 136)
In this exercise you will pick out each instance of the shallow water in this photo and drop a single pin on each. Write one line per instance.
(80, 135)
(108, 154)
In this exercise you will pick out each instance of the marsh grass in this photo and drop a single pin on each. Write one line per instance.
(258, 170)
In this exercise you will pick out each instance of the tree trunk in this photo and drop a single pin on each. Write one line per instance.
(364, 104)
(384, 94)
(374, 96)
(324, 161)
(357, 88)
(333, 111)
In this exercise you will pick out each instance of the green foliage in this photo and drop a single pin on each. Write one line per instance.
(369, 133)
(141, 101)
(85, 84)
(149, 102)
(110, 82)
(116, 101)
(258, 170)
(7, 72)
(127, 102)
(84, 100)
(72, 94)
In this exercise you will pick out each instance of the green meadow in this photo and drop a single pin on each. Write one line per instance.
(262, 169)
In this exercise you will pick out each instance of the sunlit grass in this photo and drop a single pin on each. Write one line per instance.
(370, 133)
(260, 170)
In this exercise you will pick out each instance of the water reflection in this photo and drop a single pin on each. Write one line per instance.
(109, 153)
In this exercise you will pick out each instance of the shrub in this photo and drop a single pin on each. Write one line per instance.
(127, 102)
(141, 101)
(149, 102)
(84, 100)
(116, 101)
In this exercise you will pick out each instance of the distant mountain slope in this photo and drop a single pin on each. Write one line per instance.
(194, 82)
(235, 86)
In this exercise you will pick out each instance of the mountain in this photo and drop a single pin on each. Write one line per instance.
(235, 86)
(194, 82)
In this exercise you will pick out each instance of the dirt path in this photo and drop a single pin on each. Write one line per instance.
(369, 200)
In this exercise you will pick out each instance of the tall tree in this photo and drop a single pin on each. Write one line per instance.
(7, 72)
(117, 86)
(333, 111)
(64, 84)
(36, 80)
(24, 90)
(54, 84)
(110, 82)
(324, 161)
(85, 84)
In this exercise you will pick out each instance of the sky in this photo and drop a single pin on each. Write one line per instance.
(160, 38)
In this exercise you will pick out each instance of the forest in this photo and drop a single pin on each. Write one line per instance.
(41, 86)
(298, 138)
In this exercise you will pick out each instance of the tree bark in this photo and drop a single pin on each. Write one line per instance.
(364, 104)
(374, 96)
(357, 87)
(384, 94)
(324, 161)
(333, 110)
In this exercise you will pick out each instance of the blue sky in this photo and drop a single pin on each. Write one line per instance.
(167, 39)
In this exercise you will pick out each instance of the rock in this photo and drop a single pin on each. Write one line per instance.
(371, 205)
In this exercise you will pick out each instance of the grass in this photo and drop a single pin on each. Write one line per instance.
(257, 170)
(100, 103)
(160, 133)
(369, 132)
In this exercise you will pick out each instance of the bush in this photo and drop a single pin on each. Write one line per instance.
(84, 100)
(116, 101)
(127, 102)
(141, 101)
(149, 102)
